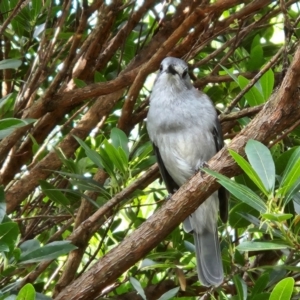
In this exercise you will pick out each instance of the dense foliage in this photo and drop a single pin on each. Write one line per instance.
(78, 175)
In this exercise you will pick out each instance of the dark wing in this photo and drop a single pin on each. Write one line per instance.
(168, 180)
(223, 193)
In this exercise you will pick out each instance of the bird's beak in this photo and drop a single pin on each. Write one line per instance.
(171, 70)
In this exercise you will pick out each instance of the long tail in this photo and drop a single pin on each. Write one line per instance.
(208, 255)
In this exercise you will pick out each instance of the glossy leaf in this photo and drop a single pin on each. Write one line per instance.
(9, 125)
(47, 252)
(241, 287)
(267, 84)
(235, 218)
(292, 191)
(27, 292)
(119, 139)
(137, 286)
(283, 289)
(260, 284)
(241, 192)
(291, 172)
(277, 217)
(55, 194)
(248, 169)
(254, 96)
(169, 294)
(261, 160)
(28, 246)
(9, 232)
(36, 6)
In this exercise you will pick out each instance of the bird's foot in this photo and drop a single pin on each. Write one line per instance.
(169, 196)
(203, 164)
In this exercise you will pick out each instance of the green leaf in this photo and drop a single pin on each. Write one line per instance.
(147, 263)
(28, 246)
(235, 218)
(241, 192)
(55, 195)
(277, 217)
(6, 101)
(79, 83)
(260, 284)
(290, 174)
(169, 294)
(283, 289)
(262, 296)
(292, 191)
(40, 296)
(9, 125)
(263, 227)
(48, 252)
(98, 77)
(119, 139)
(107, 163)
(256, 58)
(114, 157)
(267, 84)
(8, 234)
(281, 161)
(10, 64)
(261, 160)
(27, 292)
(254, 97)
(137, 286)
(259, 246)
(248, 169)
(36, 6)
(230, 73)
(35, 146)
(101, 159)
(91, 154)
(241, 287)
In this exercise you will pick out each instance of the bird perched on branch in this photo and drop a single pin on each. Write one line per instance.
(183, 125)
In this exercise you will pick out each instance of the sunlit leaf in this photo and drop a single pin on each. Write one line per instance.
(27, 292)
(261, 160)
(283, 289)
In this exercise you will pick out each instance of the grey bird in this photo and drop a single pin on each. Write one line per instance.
(185, 131)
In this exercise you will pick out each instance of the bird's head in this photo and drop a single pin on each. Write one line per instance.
(173, 72)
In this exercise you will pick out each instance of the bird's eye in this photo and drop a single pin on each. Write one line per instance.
(161, 68)
(185, 72)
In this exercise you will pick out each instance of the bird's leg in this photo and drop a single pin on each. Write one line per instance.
(203, 164)
(168, 197)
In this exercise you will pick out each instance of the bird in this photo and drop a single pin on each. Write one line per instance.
(184, 129)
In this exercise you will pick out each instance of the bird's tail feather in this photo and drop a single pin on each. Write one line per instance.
(208, 255)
